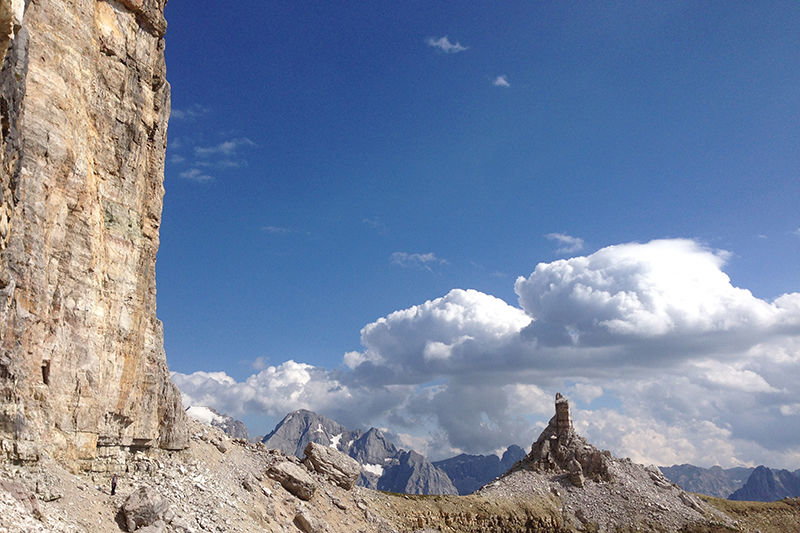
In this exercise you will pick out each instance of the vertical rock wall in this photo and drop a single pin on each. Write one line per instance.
(84, 105)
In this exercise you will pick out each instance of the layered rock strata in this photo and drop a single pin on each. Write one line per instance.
(84, 105)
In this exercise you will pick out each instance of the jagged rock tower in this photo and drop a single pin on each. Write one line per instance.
(84, 105)
(560, 449)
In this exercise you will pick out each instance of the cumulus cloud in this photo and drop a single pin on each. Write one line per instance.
(501, 81)
(416, 260)
(678, 363)
(635, 291)
(567, 243)
(277, 390)
(443, 44)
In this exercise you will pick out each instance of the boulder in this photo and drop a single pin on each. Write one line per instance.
(294, 479)
(306, 523)
(145, 507)
(332, 464)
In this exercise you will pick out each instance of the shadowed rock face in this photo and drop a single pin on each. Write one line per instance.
(413, 474)
(84, 105)
(470, 472)
(768, 485)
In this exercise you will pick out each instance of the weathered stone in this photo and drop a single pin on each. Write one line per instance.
(145, 507)
(560, 449)
(306, 523)
(294, 479)
(563, 421)
(82, 363)
(334, 465)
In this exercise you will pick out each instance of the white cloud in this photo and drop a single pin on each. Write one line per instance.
(586, 392)
(195, 174)
(790, 409)
(192, 112)
(668, 287)
(679, 364)
(275, 390)
(732, 376)
(376, 224)
(444, 44)
(415, 260)
(260, 363)
(176, 159)
(567, 243)
(501, 81)
(225, 148)
(276, 230)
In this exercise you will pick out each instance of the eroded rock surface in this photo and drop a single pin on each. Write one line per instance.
(559, 449)
(597, 491)
(334, 465)
(83, 113)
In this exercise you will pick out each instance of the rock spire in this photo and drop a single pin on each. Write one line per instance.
(559, 449)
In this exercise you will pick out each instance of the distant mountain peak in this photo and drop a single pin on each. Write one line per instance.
(208, 415)
(767, 484)
(383, 464)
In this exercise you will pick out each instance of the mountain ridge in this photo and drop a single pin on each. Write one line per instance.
(384, 465)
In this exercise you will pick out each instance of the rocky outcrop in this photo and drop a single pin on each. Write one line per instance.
(715, 481)
(83, 113)
(597, 491)
(768, 485)
(560, 449)
(294, 479)
(332, 464)
(470, 472)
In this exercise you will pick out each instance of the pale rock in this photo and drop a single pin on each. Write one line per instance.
(294, 479)
(306, 523)
(84, 105)
(144, 507)
(332, 464)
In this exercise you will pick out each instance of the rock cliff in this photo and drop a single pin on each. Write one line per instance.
(84, 105)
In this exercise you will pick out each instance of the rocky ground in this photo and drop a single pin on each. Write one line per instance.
(223, 485)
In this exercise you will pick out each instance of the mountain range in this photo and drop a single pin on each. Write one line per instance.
(384, 466)
(740, 483)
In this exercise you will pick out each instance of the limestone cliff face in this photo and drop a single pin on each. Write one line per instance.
(84, 105)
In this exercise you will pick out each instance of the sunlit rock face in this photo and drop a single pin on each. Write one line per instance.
(84, 104)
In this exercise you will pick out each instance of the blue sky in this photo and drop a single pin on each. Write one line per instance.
(330, 163)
